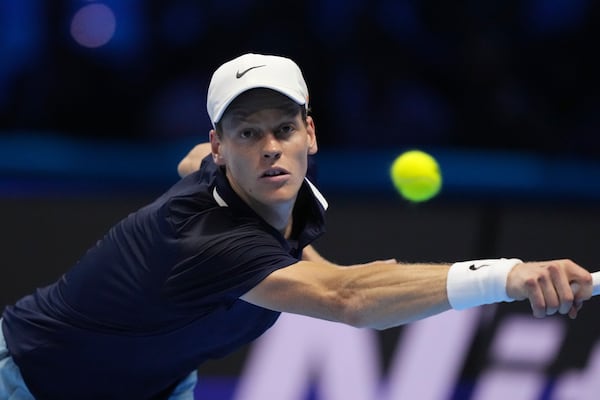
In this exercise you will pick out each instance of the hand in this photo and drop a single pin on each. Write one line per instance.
(551, 286)
(191, 162)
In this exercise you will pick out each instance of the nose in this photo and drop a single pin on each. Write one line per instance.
(272, 148)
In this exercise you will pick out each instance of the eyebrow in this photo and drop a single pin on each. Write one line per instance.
(239, 115)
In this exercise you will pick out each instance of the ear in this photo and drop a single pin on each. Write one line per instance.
(312, 137)
(215, 146)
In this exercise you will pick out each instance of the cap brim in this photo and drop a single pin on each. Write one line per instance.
(296, 97)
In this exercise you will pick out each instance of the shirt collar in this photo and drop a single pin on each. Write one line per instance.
(318, 195)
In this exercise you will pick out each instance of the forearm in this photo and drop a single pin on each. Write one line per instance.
(377, 295)
(418, 293)
(425, 290)
(382, 295)
(386, 294)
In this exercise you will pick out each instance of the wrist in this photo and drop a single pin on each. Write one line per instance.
(477, 282)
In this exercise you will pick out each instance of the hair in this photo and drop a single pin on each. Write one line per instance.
(254, 100)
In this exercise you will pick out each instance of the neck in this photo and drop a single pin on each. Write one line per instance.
(279, 217)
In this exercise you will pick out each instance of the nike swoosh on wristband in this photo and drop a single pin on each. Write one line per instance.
(239, 74)
(474, 267)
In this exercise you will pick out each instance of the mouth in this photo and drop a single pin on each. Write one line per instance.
(274, 172)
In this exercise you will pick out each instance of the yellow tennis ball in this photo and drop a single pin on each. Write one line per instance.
(416, 175)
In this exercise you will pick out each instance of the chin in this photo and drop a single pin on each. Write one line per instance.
(281, 196)
(280, 199)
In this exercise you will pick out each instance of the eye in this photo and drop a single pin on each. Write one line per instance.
(247, 134)
(286, 130)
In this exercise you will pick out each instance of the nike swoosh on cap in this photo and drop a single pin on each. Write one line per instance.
(239, 74)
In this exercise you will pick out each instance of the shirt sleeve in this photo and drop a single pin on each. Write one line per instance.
(220, 259)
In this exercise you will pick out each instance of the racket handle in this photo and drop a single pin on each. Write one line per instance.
(596, 283)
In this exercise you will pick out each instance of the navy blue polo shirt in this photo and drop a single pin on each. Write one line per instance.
(158, 295)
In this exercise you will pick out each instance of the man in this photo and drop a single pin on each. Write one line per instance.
(210, 264)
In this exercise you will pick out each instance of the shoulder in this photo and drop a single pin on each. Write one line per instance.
(192, 192)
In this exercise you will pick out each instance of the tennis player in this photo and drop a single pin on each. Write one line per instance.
(210, 264)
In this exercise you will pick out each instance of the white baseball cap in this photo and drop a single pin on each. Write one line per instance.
(251, 71)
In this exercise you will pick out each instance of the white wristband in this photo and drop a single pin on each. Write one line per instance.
(478, 282)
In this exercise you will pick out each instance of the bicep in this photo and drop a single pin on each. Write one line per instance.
(306, 287)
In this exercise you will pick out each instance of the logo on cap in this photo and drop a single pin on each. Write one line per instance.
(239, 74)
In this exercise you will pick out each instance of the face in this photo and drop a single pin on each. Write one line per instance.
(265, 154)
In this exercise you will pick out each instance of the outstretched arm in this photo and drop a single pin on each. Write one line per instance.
(376, 295)
(381, 294)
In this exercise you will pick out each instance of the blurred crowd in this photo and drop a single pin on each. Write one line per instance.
(511, 74)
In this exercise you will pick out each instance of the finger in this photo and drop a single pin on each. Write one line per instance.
(579, 297)
(566, 294)
(580, 293)
(566, 307)
(559, 295)
(551, 297)
(536, 300)
(575, 309)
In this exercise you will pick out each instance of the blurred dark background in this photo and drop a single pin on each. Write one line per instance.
(99, 100)
(470, 74)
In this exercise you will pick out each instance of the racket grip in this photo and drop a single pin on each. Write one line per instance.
(596, 283)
